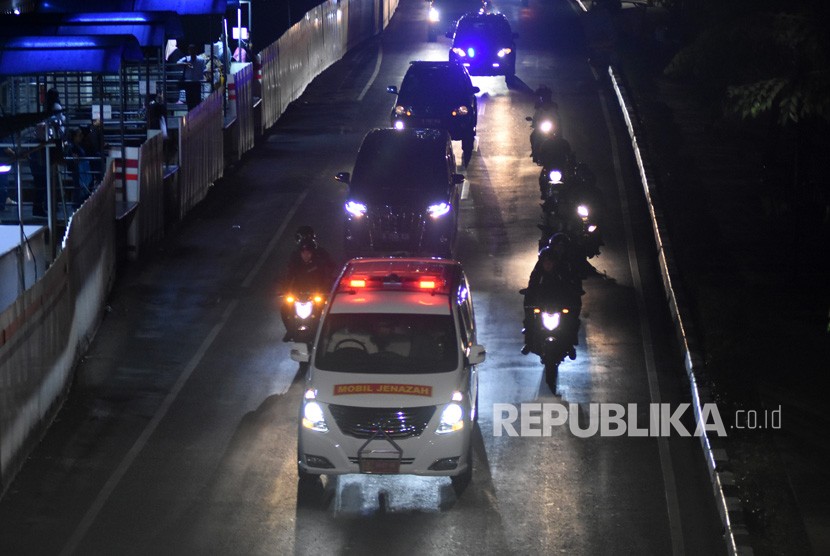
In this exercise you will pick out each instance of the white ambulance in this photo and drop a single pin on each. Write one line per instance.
(392, 385)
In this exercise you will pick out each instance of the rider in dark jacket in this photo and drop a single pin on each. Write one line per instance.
(552, 280)
(309, 269)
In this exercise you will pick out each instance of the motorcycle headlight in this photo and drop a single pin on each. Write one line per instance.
(434, 15)
(452, 419)
(461, 111)
(313, 417)
(399, 125)
(546, 126)
(551, 320)
(582, 211)
(504, 52)
(555, 176)
(438, 210)
(356, 209)
(459, 52)
(303, 309)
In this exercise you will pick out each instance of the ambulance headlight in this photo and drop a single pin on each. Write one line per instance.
(313, 417)
(452, 419)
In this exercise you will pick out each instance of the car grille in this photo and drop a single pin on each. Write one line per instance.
(391, 228)
(363, 422)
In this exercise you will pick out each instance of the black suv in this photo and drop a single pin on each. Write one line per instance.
(484, 44)
(403, 194)
(438, 95)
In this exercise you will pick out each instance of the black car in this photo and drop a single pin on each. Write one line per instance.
(484, 44)
(438, 95)
(403, 194)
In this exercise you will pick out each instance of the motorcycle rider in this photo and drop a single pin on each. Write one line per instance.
(552, 279)
(544, 109)
(309, 268)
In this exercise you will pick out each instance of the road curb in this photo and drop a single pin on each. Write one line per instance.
(730, 507)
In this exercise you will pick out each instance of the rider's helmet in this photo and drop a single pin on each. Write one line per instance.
(547, 254)
(559, 238)
(308, 244)
(543, 95)
(303, 233)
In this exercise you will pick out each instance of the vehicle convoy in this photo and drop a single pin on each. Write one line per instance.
(404, 194)
(392, 383)
(485, 44)
(438, 95)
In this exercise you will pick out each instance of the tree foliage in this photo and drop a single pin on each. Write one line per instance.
(762, 62)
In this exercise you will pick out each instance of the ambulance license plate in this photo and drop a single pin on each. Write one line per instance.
(380, 465)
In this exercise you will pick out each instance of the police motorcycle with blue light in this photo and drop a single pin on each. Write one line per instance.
(404, 195)
(308, 279)
(392, 381)
(552, 304)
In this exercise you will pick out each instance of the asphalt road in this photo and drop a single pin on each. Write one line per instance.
(179, 436)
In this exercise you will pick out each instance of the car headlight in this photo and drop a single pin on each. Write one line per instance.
(555, 176)
(401, 110)
(461, 111)
(592, 228)
(436, 211)
(399, 125)
(546, 126)
(356, 209)
(5, 168)
(551, 320)
(303, 309)
(452, 419)
(504, 52)
(582, 211)
(313, 417)
(434, 15)
(459, 52)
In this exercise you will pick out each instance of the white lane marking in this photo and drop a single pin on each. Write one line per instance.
(108, 488)
(669, 480)
(374, 74)
(274, 240)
